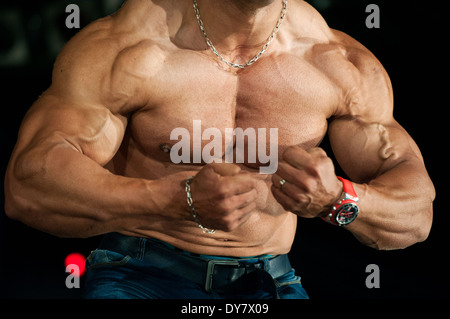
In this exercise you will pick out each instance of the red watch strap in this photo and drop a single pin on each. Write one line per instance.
(348, 186)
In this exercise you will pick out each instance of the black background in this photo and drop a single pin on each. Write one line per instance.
(411, 44)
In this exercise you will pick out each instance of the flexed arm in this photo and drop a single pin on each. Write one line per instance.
(55, 180)
(383, 162)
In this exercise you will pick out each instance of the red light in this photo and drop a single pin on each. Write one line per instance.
(76, 259)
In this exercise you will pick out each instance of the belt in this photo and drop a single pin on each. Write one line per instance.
(219, 275)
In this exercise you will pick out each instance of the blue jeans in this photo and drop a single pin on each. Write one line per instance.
(113, 275)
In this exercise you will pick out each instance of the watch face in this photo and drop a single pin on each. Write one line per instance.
(347, 213)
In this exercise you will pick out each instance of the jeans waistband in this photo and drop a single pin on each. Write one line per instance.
(212, 272)
(209, 257)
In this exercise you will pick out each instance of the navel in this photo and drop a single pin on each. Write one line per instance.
(165, 147)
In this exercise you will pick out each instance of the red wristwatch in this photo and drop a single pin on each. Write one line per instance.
(346, 209)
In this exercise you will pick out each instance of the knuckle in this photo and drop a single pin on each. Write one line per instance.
(301, 198)
(225, 206)
(309, 185)
(290, 152)
(314, 167)
(327, 161)
(318, 151)
(291, 148)
(223, 190)
(229, 223)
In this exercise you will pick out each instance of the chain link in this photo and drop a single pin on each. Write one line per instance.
(190, 203)
(256, 57)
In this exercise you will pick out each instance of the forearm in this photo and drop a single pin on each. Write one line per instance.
(395, 208)
(63, 192)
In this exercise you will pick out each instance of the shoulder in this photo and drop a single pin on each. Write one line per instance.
(364, 85)
(92, 60)
(306, 22)
(360, 79)
(369, 90)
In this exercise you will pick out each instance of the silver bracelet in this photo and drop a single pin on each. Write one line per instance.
(190, 202)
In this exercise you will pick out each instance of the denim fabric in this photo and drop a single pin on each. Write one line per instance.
(111, 275)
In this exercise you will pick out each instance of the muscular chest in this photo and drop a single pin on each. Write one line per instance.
(200, 113)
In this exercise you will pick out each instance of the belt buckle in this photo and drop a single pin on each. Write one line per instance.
(210, 270)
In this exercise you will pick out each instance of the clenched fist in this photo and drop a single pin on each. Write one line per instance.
(223, 196)
(309, 186)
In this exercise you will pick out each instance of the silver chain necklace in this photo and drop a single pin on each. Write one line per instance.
(253, 60)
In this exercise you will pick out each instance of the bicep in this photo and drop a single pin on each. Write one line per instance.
(75, 111)
(366, 150)
(88, 128)
(365, 138)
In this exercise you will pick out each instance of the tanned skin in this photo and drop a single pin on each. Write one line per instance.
(89, 158)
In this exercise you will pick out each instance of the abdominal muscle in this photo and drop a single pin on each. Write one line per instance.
(269, 230)
(260, 235)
